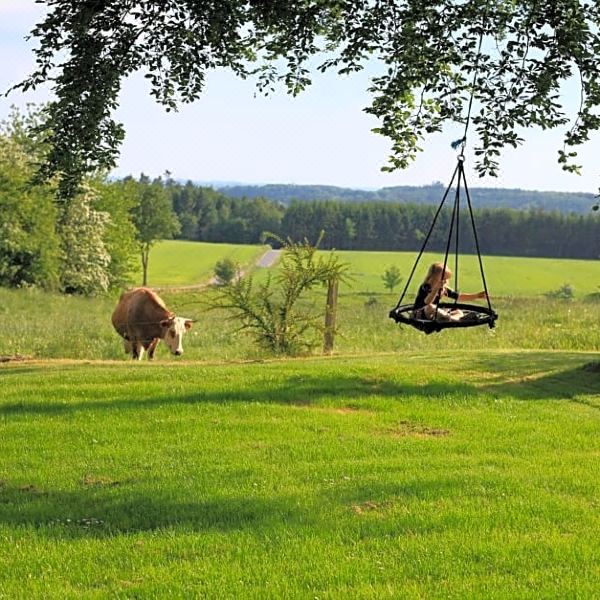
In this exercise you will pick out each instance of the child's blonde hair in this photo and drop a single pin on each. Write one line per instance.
(435, 275)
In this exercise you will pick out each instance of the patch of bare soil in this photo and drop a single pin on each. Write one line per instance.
(14, 358)
(406, 428)
(369, 506)
(100, 481)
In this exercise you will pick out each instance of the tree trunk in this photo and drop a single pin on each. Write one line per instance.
(145, 254)
(330, 316)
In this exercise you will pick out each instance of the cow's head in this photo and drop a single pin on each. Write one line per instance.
(173, 330)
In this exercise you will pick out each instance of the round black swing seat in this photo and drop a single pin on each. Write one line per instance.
(474, 315)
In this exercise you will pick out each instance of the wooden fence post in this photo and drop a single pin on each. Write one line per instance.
(330, 315)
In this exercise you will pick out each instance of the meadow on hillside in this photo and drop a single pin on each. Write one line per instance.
(506, 276)
(52, 326)
(177, 262)
(180, 263)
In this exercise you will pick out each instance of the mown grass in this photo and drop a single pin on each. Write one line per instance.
(437, 474)
(177, 262)
(463, 464)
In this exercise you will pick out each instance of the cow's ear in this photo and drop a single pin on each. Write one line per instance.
(165, 323)
(188, 323)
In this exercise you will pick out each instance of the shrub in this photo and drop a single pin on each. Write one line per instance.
(273, 313)
(227, 270)
(84, 269)
(564, 292)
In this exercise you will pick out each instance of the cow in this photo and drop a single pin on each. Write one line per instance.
(142, 320)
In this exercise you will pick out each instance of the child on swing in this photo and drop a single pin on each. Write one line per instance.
(431, 292)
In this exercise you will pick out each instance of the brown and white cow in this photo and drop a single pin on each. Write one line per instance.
(142, 320)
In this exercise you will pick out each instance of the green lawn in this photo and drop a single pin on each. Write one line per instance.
(410, 475)
(177, 262)
(457, 465)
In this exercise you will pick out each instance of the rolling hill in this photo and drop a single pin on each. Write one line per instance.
(576, 202)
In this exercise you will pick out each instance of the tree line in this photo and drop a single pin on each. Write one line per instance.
(577, 202)
(85, 246)
(211, 216)
(95, 241)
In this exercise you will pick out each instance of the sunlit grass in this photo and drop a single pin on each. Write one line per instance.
(52, 326)
(177, 262)
(455, 465)
(506, 276)
(436, 474)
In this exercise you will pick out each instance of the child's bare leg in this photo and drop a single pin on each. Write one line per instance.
(429, 311)
(439, 314)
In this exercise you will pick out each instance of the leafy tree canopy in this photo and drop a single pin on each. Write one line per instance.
(153, 218)
(517, 53)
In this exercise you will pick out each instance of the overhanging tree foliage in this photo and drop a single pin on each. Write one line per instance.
(427, 53)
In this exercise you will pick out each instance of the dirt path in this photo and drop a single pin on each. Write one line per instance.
(269, 258)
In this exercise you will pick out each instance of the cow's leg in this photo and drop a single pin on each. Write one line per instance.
(152, 347)
(138, 351)
(128, 346)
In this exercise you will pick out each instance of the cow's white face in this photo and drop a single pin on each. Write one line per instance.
(173, 334)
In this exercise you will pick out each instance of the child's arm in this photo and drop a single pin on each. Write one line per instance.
(467, 297)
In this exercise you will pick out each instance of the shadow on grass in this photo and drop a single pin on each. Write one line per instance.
(110, 512)
(570, 384)
(297, 390)
(531, 376)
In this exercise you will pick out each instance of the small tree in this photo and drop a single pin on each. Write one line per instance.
(274, 316)
(154, 220)
(391, 277)
(227, 270)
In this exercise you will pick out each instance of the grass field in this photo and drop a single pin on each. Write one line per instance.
(370, 477)
(176, 262)
(506, 276)
(457, 465)
(51, 326)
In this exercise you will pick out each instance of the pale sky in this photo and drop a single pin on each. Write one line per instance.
(320, 137)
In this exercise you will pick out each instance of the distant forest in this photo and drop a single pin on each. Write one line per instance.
(428, 194)
(209, 215)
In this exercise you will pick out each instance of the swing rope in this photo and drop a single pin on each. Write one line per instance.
(454, 217)
(476, 238)
(424, 245)
(459, 176)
